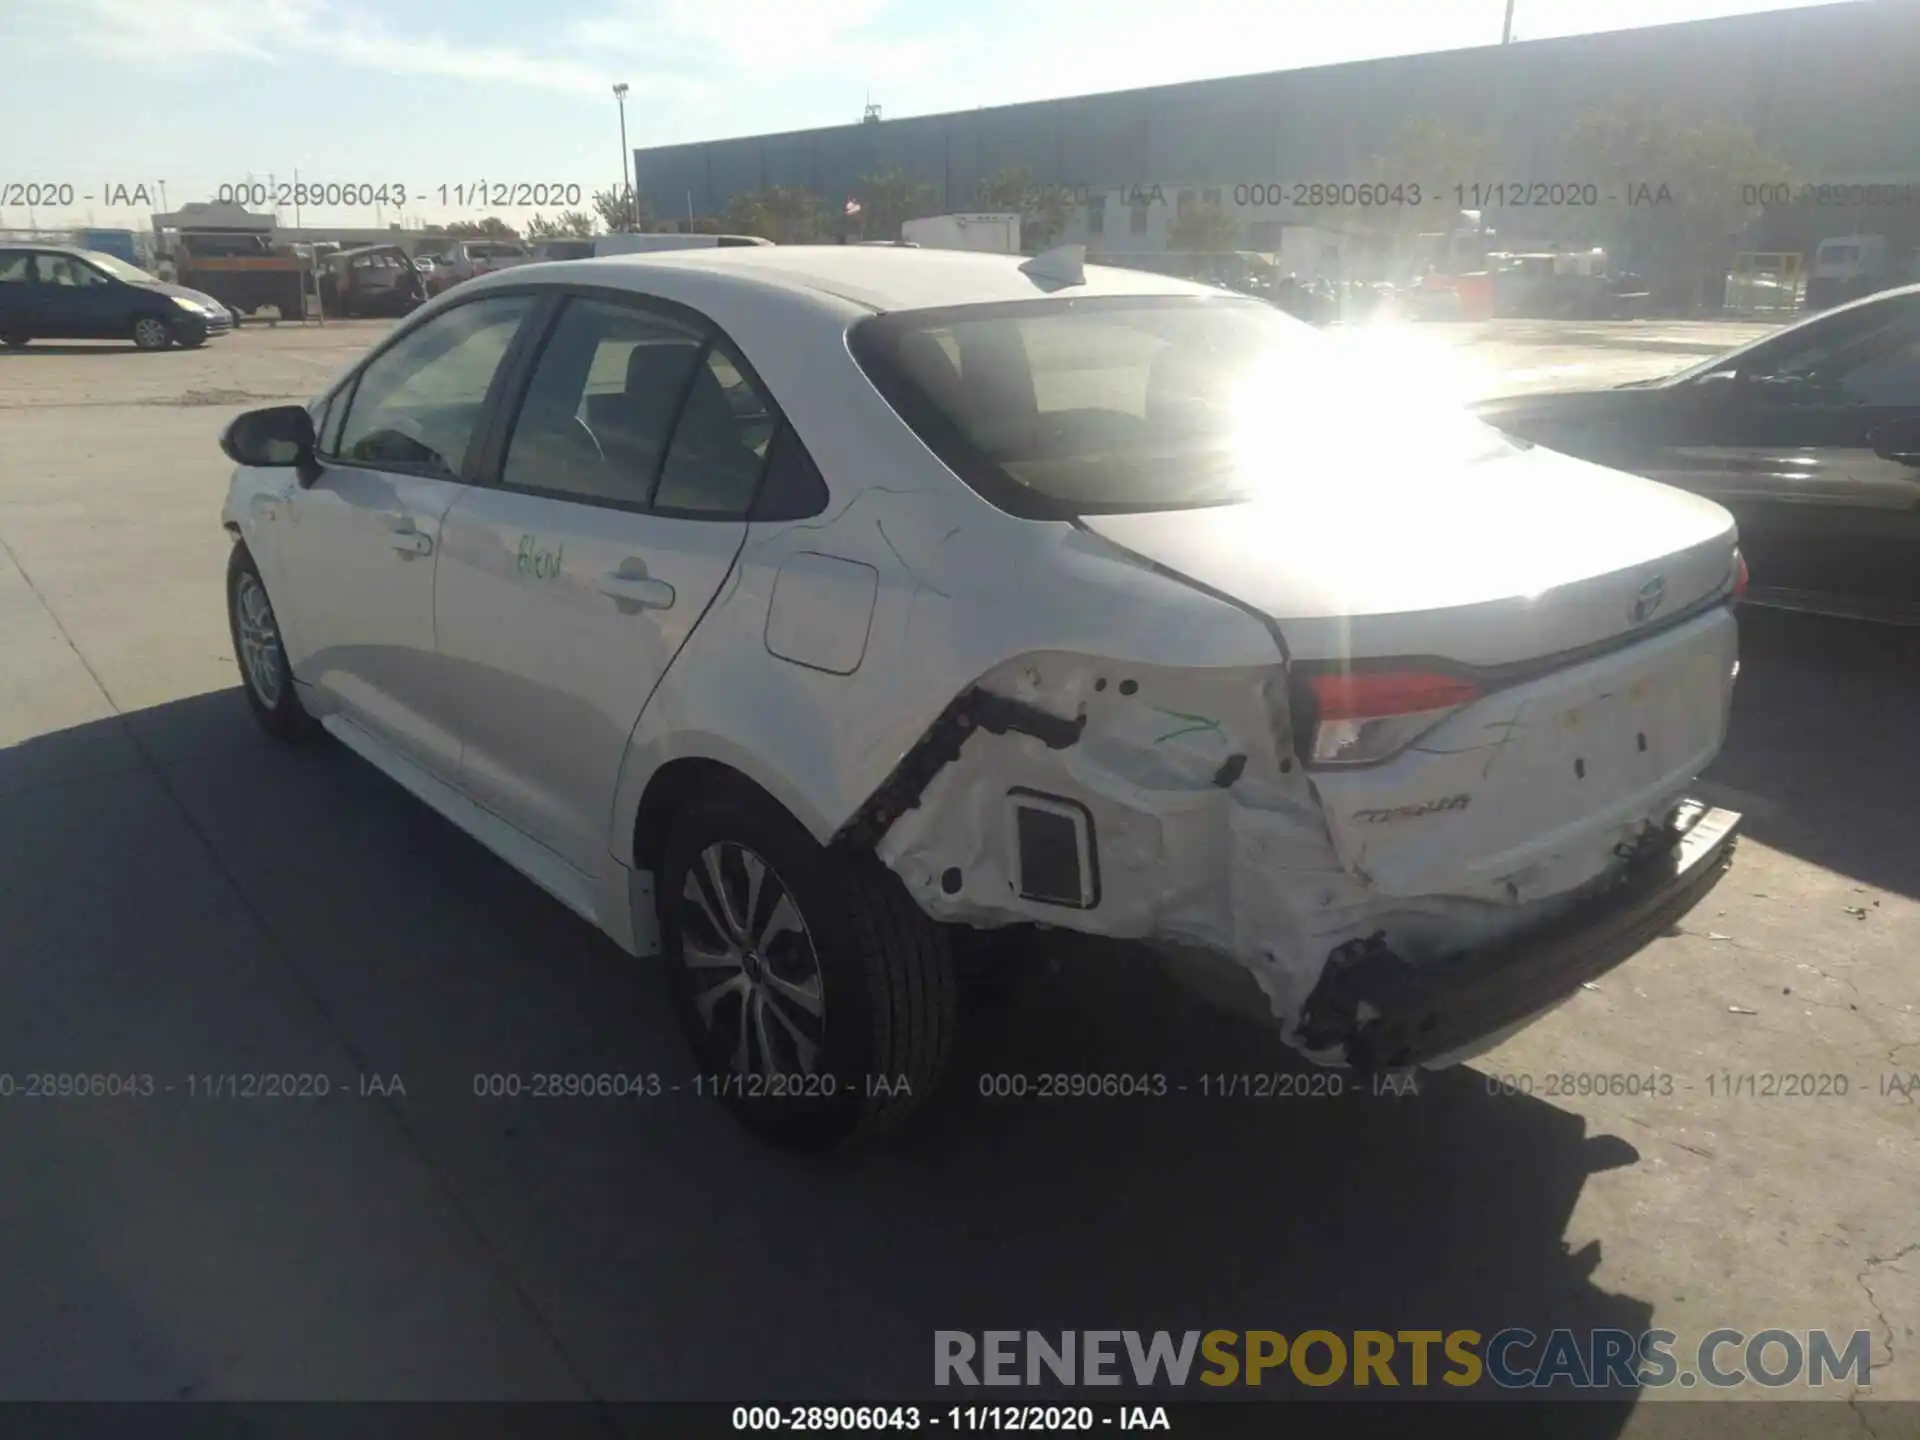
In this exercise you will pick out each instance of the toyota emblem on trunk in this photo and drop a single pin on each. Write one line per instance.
(1647, 599)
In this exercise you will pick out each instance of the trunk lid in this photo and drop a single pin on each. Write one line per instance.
(1527, 792)
(1555, 581)
(1504, 557)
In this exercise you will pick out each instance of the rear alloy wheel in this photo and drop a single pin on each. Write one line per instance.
(819, 1000)
(151, 333)
(265, 675)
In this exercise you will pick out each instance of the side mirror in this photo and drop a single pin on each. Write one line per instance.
(1898, 441)
(278, 436)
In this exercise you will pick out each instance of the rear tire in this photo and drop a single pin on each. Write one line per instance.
(819, 1000)
(265, 676)
(151, 333)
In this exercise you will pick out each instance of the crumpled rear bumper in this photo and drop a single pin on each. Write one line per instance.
(1383, 1013)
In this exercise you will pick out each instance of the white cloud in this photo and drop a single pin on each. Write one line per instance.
(686, 55)
(285, 31)
(715, 46)
(185, 29)
(373, 48)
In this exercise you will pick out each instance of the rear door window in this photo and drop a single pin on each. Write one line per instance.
(719, 447)
(600, 408)
(1888, 377)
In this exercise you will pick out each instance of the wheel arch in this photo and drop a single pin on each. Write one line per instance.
(256, 541)
(683, 778)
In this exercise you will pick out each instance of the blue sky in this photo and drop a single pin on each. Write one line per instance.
(97, 93)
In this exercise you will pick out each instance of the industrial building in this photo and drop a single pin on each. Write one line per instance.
(1830, 89)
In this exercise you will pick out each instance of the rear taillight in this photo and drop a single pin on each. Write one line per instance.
(1363, 716)
(1739, 577)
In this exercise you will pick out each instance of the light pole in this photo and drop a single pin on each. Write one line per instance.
(626, 158)
(1506, 31)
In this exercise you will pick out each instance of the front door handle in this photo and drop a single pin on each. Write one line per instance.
(632, 589)
(402, 535)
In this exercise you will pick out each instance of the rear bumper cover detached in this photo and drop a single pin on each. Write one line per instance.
(1385, 1013)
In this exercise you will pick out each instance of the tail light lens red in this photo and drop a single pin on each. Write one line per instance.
(1739, 577)
(1364, 716)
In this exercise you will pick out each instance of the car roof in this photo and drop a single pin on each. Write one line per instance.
(1898, 292)
(876, 278)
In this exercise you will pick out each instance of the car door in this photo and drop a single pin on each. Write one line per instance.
(357, 550)
(18, 278)
(567, 585)
(84, 302)
(48, 304)
(1803, 445)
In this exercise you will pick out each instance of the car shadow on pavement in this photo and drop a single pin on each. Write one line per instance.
(1826, 714)
(98, 347)
(666, 1253)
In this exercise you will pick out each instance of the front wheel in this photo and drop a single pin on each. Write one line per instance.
(820, 1002)
(265, 675)
(150, 332)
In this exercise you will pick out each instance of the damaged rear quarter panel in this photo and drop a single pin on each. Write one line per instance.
(961, 588)
(1209, 834)
(1210, 837)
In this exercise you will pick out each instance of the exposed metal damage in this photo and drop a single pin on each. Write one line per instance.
(1211, 837)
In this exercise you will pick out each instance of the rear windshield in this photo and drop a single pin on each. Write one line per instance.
(1055, 408)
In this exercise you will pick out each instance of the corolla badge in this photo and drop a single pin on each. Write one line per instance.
(1647, 599)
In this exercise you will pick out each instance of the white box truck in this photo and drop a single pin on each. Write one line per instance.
(997, 234)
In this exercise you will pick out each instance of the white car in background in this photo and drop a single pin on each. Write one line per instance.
(466, 260)
(783, 610)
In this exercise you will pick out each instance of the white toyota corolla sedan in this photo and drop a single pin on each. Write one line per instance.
(787, 612)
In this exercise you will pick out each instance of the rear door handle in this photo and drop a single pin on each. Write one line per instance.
(633, 589)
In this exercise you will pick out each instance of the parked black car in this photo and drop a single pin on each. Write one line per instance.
(1810, 436)
(55, 292)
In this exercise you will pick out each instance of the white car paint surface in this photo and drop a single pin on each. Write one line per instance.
(545, 657)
